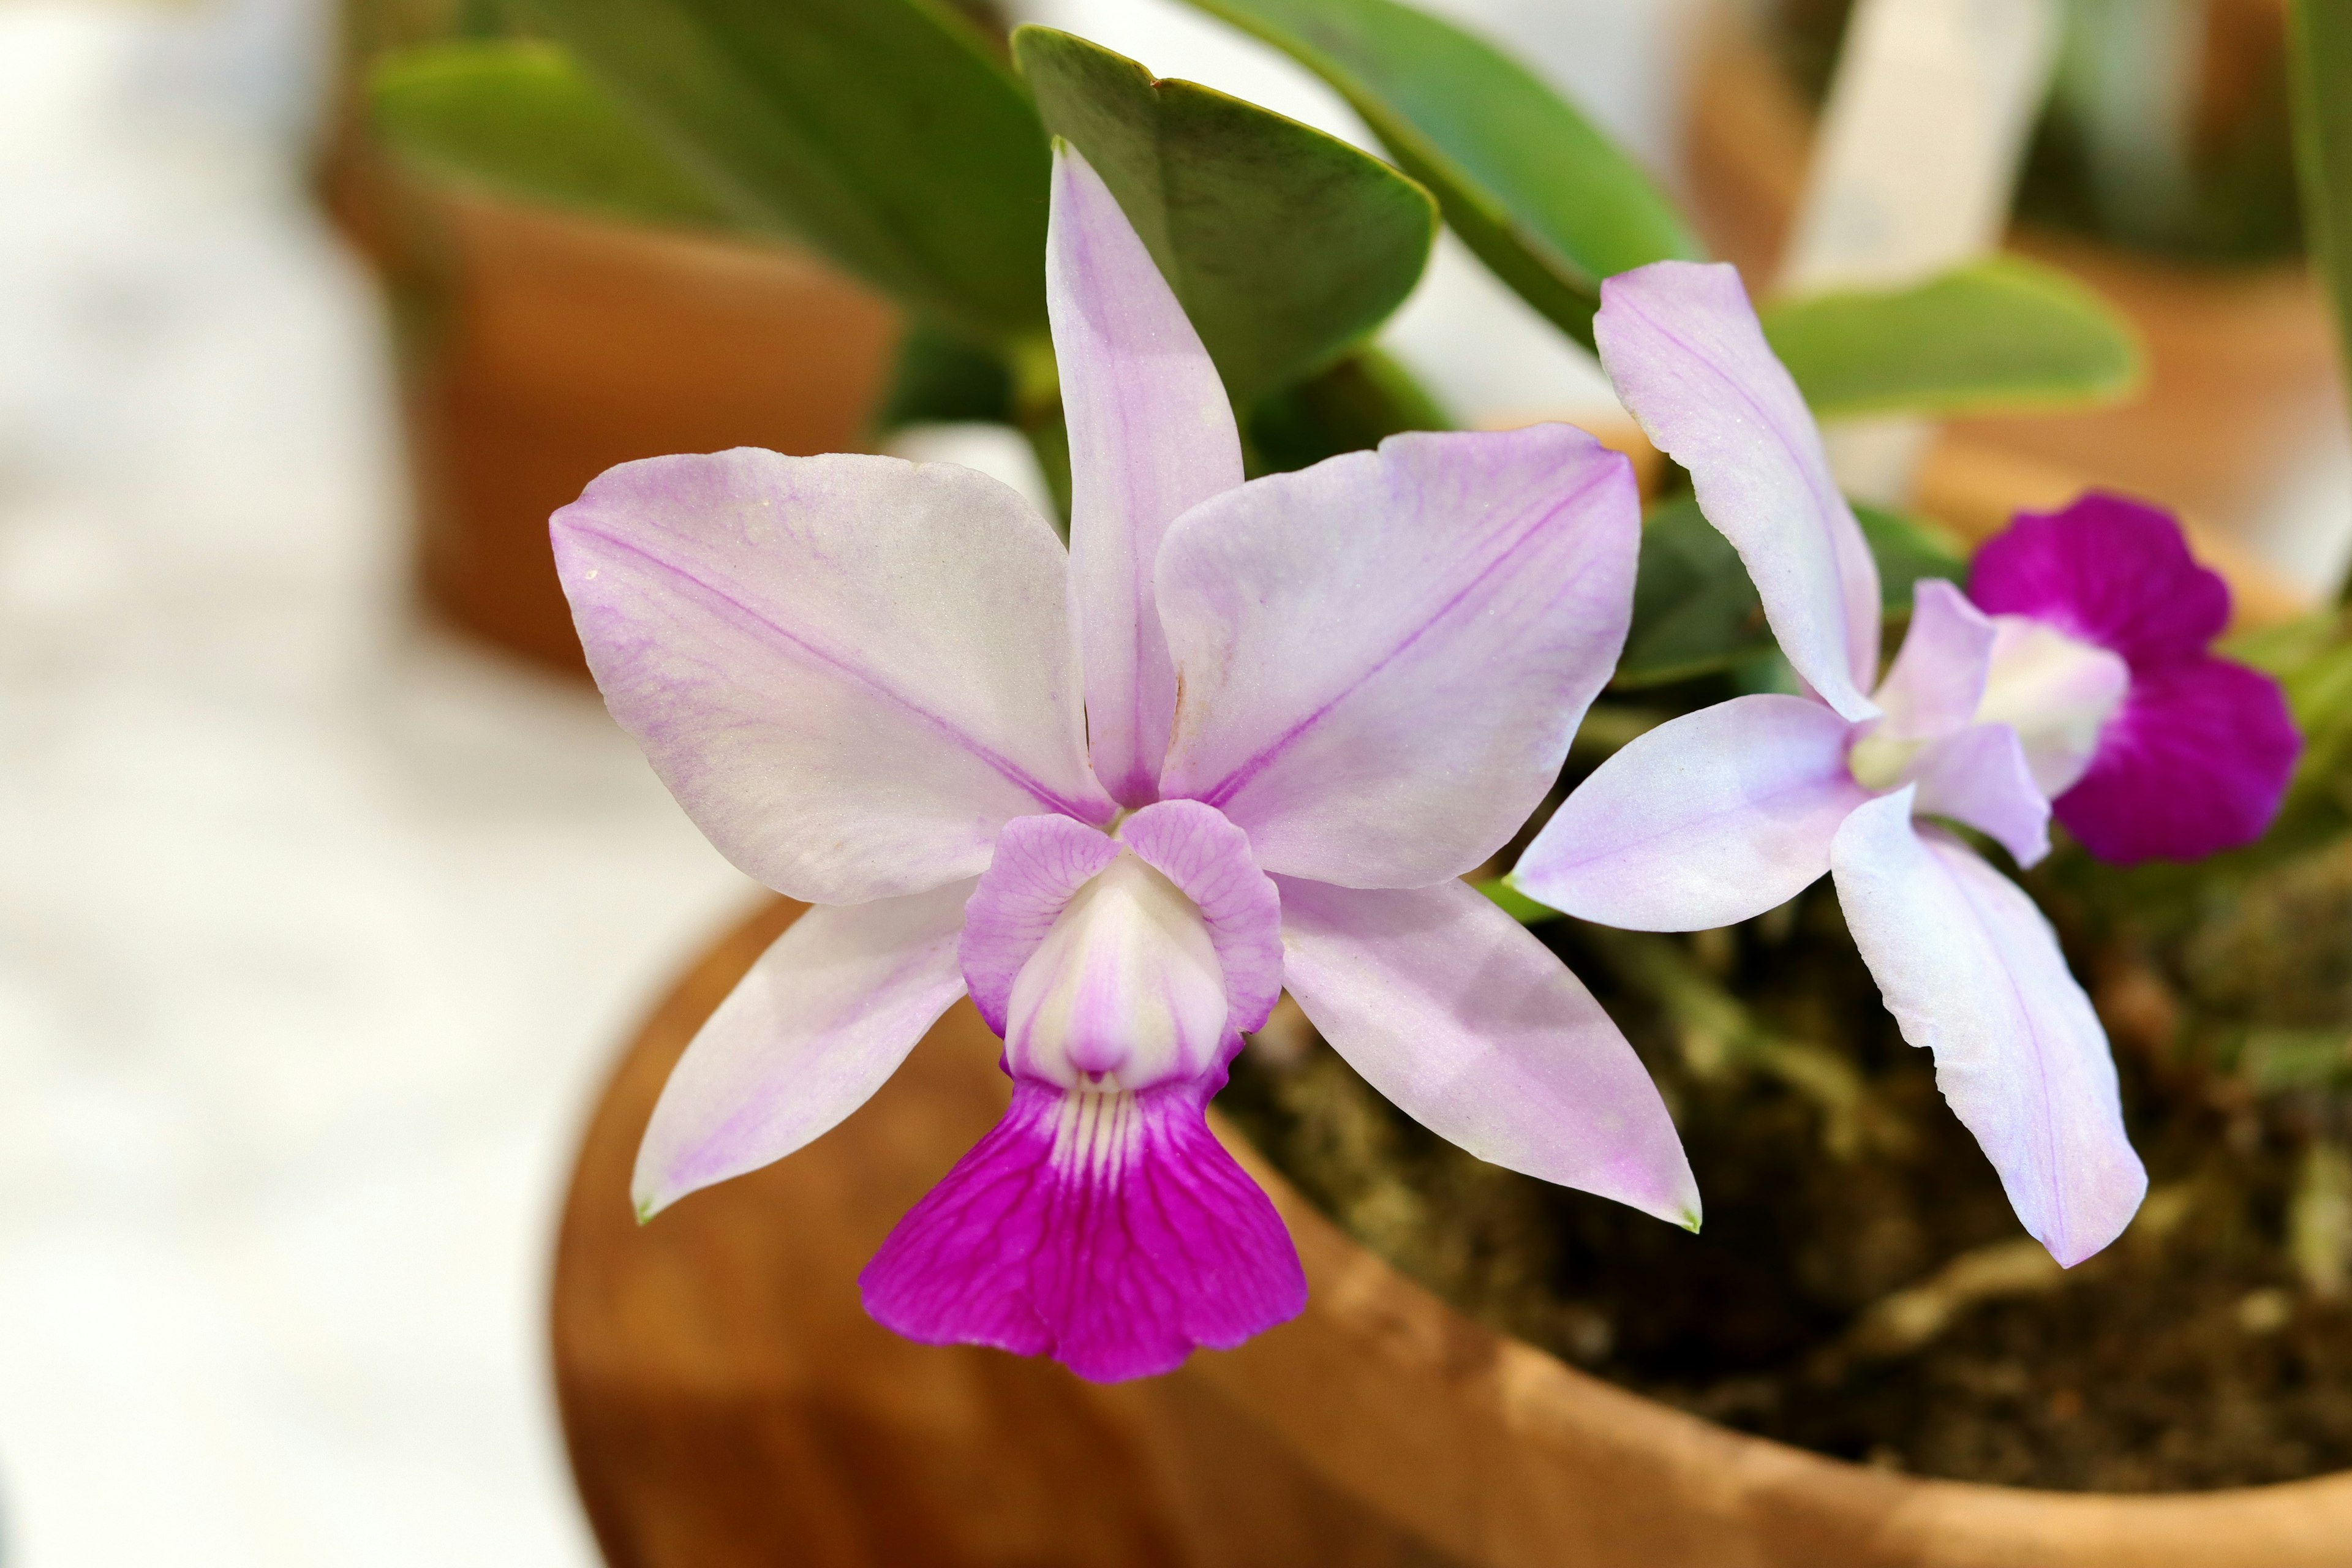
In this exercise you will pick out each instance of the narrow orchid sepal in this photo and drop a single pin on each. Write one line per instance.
(821, 1019)
(1708, 819)
(1152, 434)
(1110, 1231)
(1973, 972)
(1684, 349)
(1450, 1008)
(1459, 596)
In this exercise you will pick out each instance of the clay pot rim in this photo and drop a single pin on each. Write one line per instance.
(1377, 1302)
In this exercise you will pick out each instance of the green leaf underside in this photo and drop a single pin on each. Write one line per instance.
(1357, 404)
(2322, 53)
(881, 132)
(2001, 334)
(1284, 246)
(517, 118)
(1696, 612)
(1548, 202)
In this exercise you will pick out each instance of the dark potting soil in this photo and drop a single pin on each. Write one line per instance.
(1861, 1286)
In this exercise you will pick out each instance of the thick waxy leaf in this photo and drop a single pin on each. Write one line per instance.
(1544, 198)
(1284, 245)
(880, 131)
(1354, 406)
(2321, 50)
(1695, 612)
(1997, 334)
(518, 118)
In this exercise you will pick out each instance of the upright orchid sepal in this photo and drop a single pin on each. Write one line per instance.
(1238, 737)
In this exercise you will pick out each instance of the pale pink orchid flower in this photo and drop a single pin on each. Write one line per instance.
(2099, 694)
(1238, 737)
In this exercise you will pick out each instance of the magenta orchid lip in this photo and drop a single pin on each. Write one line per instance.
(1239, 737)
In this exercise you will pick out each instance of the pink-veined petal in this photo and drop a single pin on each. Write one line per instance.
(1150, 434)
(1973, 972)
(1682, 348)
(821, 1019)
(1710, 818)
(1209, 860)
(1938, 676)
(849, 670)
(1040, 864)
(1383, 657)
(1452, 1010)
(1980, 776)
(1111, 1232)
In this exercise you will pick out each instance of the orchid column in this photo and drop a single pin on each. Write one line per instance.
(1239, 737)
(2089, 685)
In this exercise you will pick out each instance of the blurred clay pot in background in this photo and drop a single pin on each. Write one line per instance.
(542, 348)
(2242, 379)
(727, 1402)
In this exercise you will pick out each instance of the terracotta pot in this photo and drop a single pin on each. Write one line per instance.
(727, 1402)
(548, 347)
(2242, 377)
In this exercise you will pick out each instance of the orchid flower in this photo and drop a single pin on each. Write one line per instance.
(2079, 675)
(1238, 737)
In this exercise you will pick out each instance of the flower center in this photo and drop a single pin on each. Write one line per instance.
(1877, 760)
(1125, 990)
(2057, 691)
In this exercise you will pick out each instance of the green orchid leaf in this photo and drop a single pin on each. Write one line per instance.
(517, 118)
(1504, 896)
(1285, 246)
(881, 132)
(1696, 611)
(1355, 404)
(2321, 47)
(942, 379)
(1547, 201)
(2001, 334)
(1909, 549)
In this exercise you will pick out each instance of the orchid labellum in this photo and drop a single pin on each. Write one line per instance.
(1238, 737)
(2079, 675)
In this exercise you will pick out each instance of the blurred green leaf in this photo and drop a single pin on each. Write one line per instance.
(2321, 46)
(1285, 244)
(519, 119)
(942, 379)
(1515, 904)
(1355, 404)
(1547, 201)
(1997, 334)
(881, 132)
(1908, 549)
(1696, 611)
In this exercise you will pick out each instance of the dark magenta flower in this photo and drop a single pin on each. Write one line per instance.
(2193, 753)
